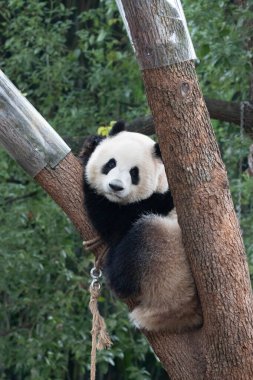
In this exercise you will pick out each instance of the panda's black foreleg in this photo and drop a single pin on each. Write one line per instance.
(124, 264)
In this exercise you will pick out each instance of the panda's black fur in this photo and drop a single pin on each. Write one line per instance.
(113, 221)
(137, 234)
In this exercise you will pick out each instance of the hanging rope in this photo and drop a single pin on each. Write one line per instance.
(100, 336)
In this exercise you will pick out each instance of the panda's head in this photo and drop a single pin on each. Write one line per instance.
(126, 167)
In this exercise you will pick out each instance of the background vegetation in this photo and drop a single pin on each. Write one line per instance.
(73, 61)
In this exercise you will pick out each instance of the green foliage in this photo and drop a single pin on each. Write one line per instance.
(78, 69)
(221, 35)
(75, 68)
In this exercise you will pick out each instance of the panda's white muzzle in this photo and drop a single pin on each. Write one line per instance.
(116, 185)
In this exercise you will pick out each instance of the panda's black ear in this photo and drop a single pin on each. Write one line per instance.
(157, 151)
(118, 127)
(89, 145)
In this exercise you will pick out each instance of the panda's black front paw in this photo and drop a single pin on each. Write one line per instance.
(122, 273)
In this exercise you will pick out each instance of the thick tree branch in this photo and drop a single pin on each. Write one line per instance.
(64, 185)
(35, 145)
(218, 109)
(199, 185)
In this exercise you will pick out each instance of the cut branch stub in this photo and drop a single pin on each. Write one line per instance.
(34, 144)
(25, 134)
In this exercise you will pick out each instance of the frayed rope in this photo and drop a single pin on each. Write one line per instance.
(100, 336)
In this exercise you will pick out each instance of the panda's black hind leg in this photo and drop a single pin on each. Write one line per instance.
(124, 263)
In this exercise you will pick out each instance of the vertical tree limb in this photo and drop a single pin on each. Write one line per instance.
(199, 184)
(210, 228)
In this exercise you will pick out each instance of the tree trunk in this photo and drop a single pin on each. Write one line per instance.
(210, 228)
(223, 348)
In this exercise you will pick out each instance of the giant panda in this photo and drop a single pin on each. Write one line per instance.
(130, 205)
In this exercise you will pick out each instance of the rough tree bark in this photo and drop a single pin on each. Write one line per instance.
(211, 233)
(64, 185)
(223, 348)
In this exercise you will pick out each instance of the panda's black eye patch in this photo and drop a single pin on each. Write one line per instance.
(109, 166)
(134, 173)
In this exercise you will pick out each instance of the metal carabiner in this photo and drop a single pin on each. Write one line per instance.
(95, 273)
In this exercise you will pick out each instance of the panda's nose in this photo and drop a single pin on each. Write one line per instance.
(116, 185)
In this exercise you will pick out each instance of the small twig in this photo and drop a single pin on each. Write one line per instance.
(14, 329)
(16, 199)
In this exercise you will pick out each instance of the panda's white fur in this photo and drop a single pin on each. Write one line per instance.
(129, 150)
(137, 219)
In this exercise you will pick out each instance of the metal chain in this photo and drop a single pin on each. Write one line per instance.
(95, 275)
